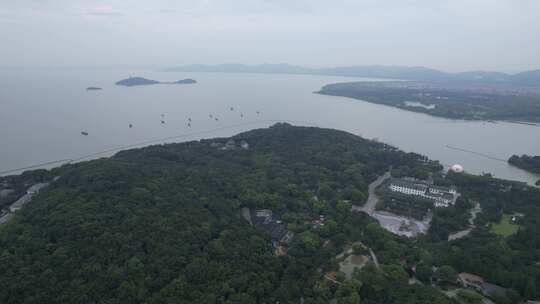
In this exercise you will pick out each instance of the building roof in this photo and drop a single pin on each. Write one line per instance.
(263, 213)
(441, 188)
(269, 222)
(331, 275)
(444, 196)
(469, 277)
(287, 238)
(405, 184)
(418, 185)
(448, 196)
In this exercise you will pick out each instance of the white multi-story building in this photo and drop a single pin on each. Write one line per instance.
(441, 200)
(441, 196)
(407, 188)
(441, 190)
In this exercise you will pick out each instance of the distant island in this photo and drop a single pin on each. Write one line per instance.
(185, 81)
(93, 88)
(136, 81)
(454, 101)
(139, 81)
(418, 73)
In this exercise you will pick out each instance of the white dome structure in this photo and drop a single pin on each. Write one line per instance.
(457, 168)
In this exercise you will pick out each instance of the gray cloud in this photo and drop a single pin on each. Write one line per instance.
(105, 14)
(448, 34)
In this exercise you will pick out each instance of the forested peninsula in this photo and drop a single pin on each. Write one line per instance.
(444, 99)
(171, 224)
(526, 162)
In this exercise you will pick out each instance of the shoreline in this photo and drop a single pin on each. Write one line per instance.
(111, 151)
(463, 119)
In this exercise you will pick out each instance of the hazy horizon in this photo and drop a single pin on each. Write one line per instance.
(167, 67)
(452, 36)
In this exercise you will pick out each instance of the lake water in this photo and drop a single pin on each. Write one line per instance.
(42, 115)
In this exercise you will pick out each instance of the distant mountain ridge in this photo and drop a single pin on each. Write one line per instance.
(376, 71)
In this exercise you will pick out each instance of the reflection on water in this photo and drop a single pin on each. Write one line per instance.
(42, 115)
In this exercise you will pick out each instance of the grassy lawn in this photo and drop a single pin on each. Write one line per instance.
(352, 262)
(505, 227)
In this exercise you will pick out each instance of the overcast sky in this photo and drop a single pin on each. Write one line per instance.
(452, 35)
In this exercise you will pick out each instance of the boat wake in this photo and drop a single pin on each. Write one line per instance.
(476, 153)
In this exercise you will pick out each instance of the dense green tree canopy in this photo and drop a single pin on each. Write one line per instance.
(163, 224)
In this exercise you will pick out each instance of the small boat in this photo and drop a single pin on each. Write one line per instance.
(163, 122)
(258, 112)
(130, 126)
(232, 108)
(210, 116)
(241, 115)
(84, 133)
(189, 125)
(217, 119)
(189, 119)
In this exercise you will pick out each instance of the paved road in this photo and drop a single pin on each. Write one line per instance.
(374, 257)
(477, 209)
(5, 218)
(23, 200)
(247, 215)
(372, 200)
(464, 233)
(389, 221)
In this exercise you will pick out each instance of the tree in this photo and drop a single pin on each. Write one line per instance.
(359, 249)
(396, 274)
(423, 273)
(375, 235)
(446, 274)
(374, 283)
(343, 207)
(326, 191)
(354, 195)
(347, 292)
(353, 298)
(470, 296)
(425, 257)
(530, 290)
